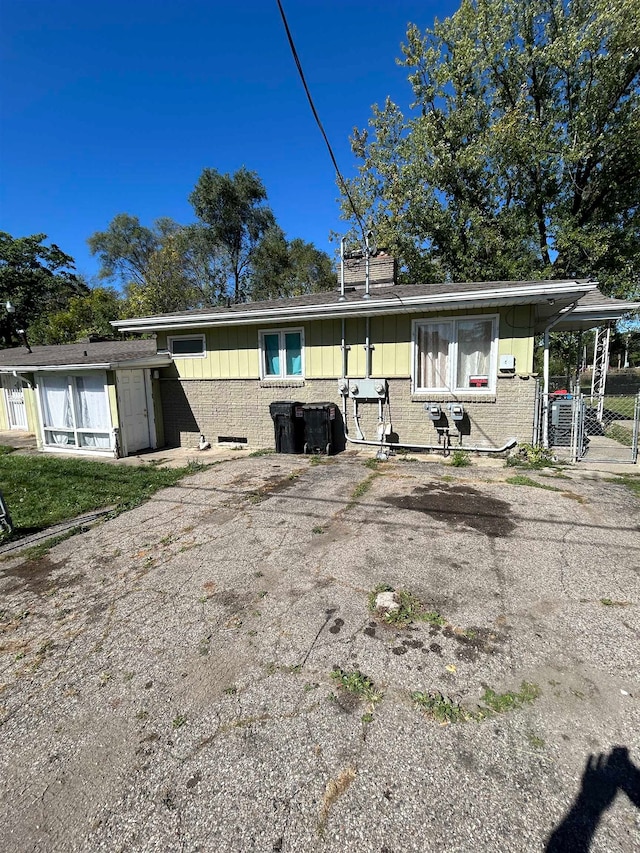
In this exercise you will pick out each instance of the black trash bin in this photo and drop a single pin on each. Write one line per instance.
(320, 427)
(288, 425)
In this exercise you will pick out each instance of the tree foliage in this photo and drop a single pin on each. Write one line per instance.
(236, 218)
(84, 315)
(36, 279)
(284, 268)
(234, 251)
(520, 156)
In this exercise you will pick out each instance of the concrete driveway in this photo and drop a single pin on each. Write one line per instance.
(165, 680)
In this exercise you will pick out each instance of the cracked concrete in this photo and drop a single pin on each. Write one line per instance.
(165, 678)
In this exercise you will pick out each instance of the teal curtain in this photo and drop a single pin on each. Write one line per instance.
(272, 355)
(293, 347)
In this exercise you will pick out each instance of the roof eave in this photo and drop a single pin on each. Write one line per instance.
(150, 361)
(337, 309)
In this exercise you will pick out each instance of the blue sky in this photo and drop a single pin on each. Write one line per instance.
(117, 107)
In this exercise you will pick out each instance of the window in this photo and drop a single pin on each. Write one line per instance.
(75, 411)
(282, 354)
(187, 346)
(452, 355)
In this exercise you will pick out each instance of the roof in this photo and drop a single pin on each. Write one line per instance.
(593, 309)
(105, 355)
(411, 298)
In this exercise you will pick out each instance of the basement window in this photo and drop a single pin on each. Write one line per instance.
(282, 354)
(454, 355)
(187, 346)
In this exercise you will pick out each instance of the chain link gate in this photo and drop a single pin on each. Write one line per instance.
(589, 427)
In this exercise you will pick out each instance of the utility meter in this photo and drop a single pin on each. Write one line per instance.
(434, 411)
(457, 411)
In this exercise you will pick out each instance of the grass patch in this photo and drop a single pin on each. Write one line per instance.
(522, 480)
(621, 434)
(316, 459)
(628, 480)
(373, 464)
(411, 609)
(357, 684)
(500, 703)
(460, 459)
(264, 451)
(5, 450)
(44, 490)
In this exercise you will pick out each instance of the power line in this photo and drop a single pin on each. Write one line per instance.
(296, 59)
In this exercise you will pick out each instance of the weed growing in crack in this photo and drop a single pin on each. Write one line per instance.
(441, 708)
(460, 459)
(334, 789)
(411, 609)
(445, 710)
(357, 683)
(363, 487)
(179, 721)
(318, 529)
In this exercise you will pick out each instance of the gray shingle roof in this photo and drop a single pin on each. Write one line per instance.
(398, 293)
(103, 352)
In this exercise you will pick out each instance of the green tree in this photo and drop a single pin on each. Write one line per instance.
(521, 154)
(284, 268)
(86, 314)
(233, 210)
(36, 279)
(126, 248)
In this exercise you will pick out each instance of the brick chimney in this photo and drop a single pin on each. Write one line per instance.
(382, 272)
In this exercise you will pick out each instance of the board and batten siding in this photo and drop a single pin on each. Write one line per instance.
(232, 351)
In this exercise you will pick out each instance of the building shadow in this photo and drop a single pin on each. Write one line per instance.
(603, 777)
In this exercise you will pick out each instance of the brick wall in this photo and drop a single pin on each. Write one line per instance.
(240, 408)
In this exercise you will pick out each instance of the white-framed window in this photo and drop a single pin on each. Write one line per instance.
(75, 411)
(455, 354)
(282, 354)
(187, 346)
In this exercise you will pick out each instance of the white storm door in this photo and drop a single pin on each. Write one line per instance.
(14, 398)
(132, 406)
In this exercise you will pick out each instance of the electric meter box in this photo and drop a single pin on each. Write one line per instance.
(434, 410)
(507, 362)
(368, 389)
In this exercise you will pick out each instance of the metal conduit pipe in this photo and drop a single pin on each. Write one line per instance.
(511, 442)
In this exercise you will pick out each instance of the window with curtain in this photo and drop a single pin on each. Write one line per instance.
(281, 354)
(75, 411)
(456, 355)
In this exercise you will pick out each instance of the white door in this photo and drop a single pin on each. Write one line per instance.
(14, 398)
(132, 406)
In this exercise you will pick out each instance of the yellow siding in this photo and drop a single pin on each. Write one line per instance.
(232, 351)
(323, 357)
(4, 422)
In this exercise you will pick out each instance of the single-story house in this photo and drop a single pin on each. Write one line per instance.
(414, 365)
(96, 398)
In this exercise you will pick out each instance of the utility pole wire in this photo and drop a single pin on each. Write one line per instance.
(341, 180)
